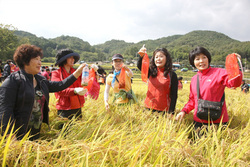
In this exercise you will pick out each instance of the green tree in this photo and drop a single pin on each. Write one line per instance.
(8, 41)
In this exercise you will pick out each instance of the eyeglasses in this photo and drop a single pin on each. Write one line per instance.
(117, 61)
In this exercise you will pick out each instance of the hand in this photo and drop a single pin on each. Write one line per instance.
(142, 51)
(125, 67)
(78, 71)
(80, 91)
(95, 67)
(107, 106)
(180, 116)
(237, 55)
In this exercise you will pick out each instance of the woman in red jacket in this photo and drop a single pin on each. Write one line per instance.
(212, 83)
(70, 100)
(162, 82)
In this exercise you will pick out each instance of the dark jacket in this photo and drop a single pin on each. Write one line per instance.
(17, 98)
(173, 88)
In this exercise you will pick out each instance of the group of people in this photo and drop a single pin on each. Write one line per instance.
(245, 86)
(8, 68)
(30, 108)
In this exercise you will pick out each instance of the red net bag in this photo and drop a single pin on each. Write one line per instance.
(144, 68)
(122, 79)
(232, 66)
(92, 76)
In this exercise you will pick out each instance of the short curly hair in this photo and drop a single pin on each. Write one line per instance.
(24, 53)
(199, 50)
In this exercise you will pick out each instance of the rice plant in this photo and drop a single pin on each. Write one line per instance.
(130, 136)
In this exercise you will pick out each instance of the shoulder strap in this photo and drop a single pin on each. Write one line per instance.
(198, 87)
(20, 78)
(116, 79)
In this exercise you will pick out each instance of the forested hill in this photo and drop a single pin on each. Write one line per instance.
(178, 45)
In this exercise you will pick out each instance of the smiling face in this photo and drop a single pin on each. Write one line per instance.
(160, 59)
(34, 66)
(201, 62)
(70, 62)
(117, 63)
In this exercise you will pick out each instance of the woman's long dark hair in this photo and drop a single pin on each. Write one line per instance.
(168, 65)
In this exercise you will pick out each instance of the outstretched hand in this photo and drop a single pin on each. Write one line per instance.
(142, 51)
(180, 116)
(78, 71)
(237, 55)
(80, 91)
(95, 67)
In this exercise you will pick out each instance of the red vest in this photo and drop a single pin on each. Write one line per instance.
(67, 99)
(158, 95)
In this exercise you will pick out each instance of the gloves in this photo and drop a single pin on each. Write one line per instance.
(142, 51)
(95, 67)
(80, 91)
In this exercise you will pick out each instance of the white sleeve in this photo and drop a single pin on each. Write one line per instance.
(106, 92)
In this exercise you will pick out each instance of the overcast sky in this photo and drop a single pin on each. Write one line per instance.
(98, 21)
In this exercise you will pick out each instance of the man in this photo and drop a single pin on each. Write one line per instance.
(7, 69)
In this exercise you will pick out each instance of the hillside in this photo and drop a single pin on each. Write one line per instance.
(179, 46)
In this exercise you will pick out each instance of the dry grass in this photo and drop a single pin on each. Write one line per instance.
(128, 136)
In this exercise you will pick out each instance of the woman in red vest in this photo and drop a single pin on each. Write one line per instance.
(162, 82)
(70, 100)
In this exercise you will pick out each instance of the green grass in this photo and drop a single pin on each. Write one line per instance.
(127, 136)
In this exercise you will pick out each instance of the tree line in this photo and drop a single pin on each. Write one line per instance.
(179, 46)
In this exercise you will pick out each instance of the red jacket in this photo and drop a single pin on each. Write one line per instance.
(158, 95)
(64, 97)
(46, 75)
(212, 85)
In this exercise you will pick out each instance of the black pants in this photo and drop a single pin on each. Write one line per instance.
(199, 124)
(200, 129)
(70, 113)
(159, 112)
(34, 133)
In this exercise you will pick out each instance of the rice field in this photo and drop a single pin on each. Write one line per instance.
(128, 136)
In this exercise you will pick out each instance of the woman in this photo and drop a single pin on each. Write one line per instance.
(162, 83)
(93, 85)
(124, 95)
(212, 83)
(24, 95)
(70, 100)
(180, 86)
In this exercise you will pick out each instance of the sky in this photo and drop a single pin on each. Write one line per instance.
(98, 21)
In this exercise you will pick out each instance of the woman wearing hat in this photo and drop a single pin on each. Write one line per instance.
(122, 95)
(70, 100)
(24, 95)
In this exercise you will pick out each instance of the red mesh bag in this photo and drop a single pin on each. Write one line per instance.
(92, 76)
(232, 66)
(122, 79)
(144, 68)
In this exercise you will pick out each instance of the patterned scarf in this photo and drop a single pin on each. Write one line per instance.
(115, 74)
